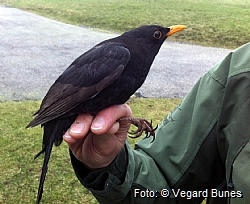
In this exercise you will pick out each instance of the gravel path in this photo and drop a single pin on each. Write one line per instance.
(35, 50)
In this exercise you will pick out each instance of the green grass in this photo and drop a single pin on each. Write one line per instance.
(221, 23)
(19, 177)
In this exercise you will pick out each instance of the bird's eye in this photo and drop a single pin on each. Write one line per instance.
(157, 34)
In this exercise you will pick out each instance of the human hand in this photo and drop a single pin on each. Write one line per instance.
(96, 141)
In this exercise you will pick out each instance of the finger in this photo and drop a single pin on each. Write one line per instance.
(68, 138)
(81, 126)
(114, 128)
(106, 118)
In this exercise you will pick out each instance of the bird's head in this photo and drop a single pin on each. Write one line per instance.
(151, 37)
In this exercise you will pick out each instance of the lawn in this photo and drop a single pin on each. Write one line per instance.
(217, 23)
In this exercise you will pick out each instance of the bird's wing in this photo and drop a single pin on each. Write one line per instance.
(82, 80)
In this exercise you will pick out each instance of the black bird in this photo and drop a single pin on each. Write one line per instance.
(106, 75)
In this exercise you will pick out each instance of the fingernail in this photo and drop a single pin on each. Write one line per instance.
(67, 135)
(98, 123)
(77, 127)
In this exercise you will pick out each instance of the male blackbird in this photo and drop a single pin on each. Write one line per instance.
(106, 75)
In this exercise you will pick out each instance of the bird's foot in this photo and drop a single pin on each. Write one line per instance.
(142, 126)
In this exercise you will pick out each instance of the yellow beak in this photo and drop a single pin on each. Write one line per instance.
(174, 29)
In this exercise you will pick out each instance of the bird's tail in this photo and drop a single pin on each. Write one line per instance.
(53, 132)
(47, 151)
(48, 141)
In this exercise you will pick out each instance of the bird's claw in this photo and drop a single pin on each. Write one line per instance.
(142, 126)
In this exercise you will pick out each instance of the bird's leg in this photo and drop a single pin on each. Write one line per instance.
(142, 126)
